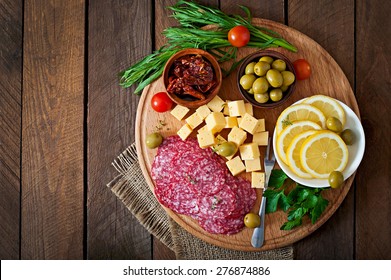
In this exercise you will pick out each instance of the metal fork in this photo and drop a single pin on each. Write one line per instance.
(259, 233)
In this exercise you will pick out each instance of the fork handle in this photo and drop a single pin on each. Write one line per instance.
(258, 236)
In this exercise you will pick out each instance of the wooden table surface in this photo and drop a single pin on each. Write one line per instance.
(64, 118)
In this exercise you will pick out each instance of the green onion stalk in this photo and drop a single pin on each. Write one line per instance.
(192, 17)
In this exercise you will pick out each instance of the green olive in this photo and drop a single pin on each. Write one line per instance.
(267, 59)
(284, 88)
(279, 65)
(288, 78)
(261, 68)
(275, 94)
(153, 140)
(274, 78)
(260, 85)
(348, 136)
(334, 124)
(261, 97)
(250, 68)
(251, 91)
(336, 179)
(226, 149)
(252, 220)
(246, 81)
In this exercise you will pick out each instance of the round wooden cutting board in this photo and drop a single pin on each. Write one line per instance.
(327, 78)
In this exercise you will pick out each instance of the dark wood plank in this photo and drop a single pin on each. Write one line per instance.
(373, 76)
(331, 24)
(119, 35)
(11, 34)
(52, 143)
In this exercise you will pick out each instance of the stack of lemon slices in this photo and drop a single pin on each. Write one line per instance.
(308, 140)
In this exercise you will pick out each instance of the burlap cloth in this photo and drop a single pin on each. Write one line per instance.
(130, 188)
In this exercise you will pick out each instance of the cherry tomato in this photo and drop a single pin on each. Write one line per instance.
(161, 102)
(302, 69)
(239, 36)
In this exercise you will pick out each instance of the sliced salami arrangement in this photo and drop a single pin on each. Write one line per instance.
(193, 181)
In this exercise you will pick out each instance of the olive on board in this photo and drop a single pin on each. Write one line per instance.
(226, 149)
(246, 81)
(153, 140)
(252, 220)
(336, 179)
(334, 124)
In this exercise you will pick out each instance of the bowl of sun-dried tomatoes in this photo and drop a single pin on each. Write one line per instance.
(192, 77)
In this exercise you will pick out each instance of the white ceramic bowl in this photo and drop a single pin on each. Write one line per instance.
(356, 151)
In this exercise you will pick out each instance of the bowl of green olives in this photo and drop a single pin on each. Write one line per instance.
(266, 79)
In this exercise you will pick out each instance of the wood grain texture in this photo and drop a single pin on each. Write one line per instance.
(11, 28)
(373, 198)
(331, 24)
(147, 120)
(119, 35)
(52, 148)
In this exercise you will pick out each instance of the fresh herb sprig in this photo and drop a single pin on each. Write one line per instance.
(298, 202)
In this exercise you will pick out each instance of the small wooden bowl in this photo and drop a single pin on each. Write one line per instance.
(187, 100)
(255, 57)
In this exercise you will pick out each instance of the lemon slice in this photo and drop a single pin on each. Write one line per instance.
(329, 106)
(293, 154)
(289, 132)
(323, 153)
(300, 112)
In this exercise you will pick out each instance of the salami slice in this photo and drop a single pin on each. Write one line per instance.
(196, 182)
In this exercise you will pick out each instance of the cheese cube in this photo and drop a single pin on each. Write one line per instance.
(249, 123)
(238, 120)
(236, 108)
(261, 126)
(257, 179)
(226, 109)
(206, 139)
(261, 138)
(215, 122)
(235, 165)
(194, 120)
(179, 112)
(203, 111)
(253, 164)
(219, 140)
(184, 131)
(249, 151)
(202, 129)
(249, 108)
(230, 122)
(237, 135)
(216, 104)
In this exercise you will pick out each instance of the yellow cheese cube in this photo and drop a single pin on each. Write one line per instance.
(261, 138)
(202, 129)
(238, 120)
(235, 165)
(215, 122)
(253, 164)
(179, 112)
(230, 122)
(236, 108)
(184, 131)
(206, 139)
(216, 104)
(249, 108)
(249, 123)
(226, 109)
(257, 179)
(203, 111)
(261, 126)
(249, 151)
(237, 135)
(194, 120)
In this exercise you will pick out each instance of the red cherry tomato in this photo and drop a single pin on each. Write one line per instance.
(239, 36)
(302, 69)
(161, 102)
